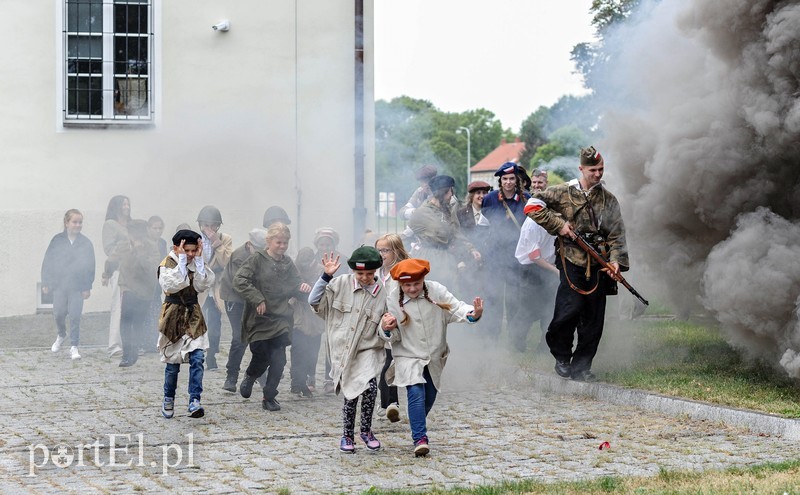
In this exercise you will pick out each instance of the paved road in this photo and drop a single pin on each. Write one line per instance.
(489, 425)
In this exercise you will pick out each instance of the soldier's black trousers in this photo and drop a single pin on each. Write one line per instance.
(579, 313)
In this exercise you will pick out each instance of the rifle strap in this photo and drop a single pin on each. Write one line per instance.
(510, 215)
(566, 274)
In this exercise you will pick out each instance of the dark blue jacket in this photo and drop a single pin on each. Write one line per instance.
(68, 266)
(504, 233)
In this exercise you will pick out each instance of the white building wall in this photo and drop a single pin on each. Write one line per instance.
(260, 115)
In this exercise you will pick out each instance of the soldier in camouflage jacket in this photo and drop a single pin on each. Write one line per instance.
(582, 205)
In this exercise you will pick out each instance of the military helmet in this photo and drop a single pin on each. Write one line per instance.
(275, 214)
(209, 214)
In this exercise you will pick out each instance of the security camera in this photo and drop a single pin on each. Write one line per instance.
(222, 25)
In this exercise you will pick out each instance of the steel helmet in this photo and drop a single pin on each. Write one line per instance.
(209, 214)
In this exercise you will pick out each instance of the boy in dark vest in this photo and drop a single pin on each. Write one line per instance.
(182, 329)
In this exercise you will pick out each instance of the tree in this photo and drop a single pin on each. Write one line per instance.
(589, 58)
(564, 142)
(533, 133)
(410, 133)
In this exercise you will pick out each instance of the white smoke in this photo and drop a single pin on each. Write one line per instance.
(702, 137)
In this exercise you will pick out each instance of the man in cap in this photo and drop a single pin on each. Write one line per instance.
(582, 206)
(503, 209)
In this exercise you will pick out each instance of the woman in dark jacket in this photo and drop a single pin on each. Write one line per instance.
(68, 274)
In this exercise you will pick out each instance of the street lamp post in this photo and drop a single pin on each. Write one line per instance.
(469, 138)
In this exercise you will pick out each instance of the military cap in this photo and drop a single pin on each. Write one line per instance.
(189, 236)
(590, 157)
(365, 258)
(441, 182)
(410, 270)
(507, 168)
(478, 185)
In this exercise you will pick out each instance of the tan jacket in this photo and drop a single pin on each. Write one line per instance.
(352, 317)
(217, 264)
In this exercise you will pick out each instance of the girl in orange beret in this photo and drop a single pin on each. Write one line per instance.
(418, 312)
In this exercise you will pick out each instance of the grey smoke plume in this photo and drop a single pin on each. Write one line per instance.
(702, 137)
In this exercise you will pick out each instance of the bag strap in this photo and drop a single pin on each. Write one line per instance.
(510, 214)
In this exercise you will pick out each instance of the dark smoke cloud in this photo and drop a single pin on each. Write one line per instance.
(702, 133)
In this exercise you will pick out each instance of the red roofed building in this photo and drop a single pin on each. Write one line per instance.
(506, 152)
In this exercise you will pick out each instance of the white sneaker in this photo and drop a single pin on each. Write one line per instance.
(57, 344)
(393, 413)
(74, 354)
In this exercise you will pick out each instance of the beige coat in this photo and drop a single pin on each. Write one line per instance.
(422, 340)
(217, 264)
(352, 317)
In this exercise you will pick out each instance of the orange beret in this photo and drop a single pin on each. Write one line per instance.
(410, 270)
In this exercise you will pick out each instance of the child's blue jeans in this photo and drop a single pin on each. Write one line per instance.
(196, 359)
(421, 397)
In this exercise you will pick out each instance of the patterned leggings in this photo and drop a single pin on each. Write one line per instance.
(367, 407)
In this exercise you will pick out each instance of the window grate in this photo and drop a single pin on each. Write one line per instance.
(108, 46)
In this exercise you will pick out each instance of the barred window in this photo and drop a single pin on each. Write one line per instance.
(108, 46)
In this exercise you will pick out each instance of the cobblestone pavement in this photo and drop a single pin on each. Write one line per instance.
(92, 427)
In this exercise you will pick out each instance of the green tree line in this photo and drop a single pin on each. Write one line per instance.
(410, 133)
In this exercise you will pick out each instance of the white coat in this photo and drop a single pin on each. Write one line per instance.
(422, 340)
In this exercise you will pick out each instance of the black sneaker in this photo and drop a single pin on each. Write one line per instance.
(230, 384)
(563, 369)
(271, 404)
(246, 387)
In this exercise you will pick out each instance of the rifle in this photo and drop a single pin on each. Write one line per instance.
(579, 240)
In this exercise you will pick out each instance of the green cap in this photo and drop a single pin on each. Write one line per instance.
(365, 258)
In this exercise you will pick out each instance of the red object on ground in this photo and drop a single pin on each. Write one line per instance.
(604, 445)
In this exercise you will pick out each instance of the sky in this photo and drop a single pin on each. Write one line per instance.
(507, 56)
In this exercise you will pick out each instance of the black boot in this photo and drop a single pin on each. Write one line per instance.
(246, 387)
(230, 383)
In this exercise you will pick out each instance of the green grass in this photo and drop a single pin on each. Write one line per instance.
(776, 478)
(683, 359)
(693, 361)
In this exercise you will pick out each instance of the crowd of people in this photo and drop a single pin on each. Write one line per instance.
(383, 322)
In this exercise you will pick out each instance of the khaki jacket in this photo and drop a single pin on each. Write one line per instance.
(352, 316)
(567, 202)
